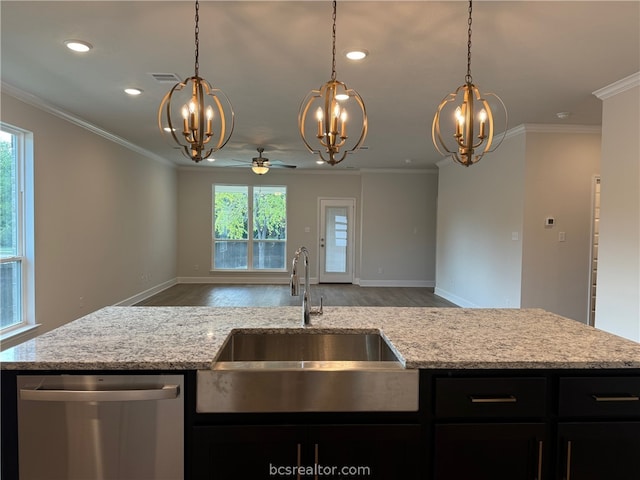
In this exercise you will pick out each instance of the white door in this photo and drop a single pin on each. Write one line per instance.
(336, 240)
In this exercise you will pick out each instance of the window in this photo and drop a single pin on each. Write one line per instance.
(240, 209)
(16, 230)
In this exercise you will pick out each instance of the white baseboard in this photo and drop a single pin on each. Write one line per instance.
(147, 293)
(459, 301)
(397, 283)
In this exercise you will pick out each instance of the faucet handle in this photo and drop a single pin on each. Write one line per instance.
(317, 311)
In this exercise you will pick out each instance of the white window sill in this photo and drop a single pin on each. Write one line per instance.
(17, 333)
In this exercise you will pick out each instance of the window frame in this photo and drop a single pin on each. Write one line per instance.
(250, 240)
(25, 241)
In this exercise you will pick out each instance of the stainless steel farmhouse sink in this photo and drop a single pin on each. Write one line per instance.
(306, 371)
(304, 346)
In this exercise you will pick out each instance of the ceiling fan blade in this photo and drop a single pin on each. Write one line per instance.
(281, 165)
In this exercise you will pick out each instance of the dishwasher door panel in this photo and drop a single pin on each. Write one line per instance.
(62, 435)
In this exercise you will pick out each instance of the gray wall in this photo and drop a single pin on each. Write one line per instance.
(105, 218)
(479, 214)
(493, 249)
(390, 207)
(618, 293)
(560, 168)
(398, 228)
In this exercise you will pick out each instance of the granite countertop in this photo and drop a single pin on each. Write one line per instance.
(189, 338)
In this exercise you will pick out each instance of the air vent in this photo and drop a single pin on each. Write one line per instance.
(166, 77)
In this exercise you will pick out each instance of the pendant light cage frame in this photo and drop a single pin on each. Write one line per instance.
(197, 136)
(331, 141)
(462, 144)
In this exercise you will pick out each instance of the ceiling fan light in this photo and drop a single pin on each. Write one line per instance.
(259, 169)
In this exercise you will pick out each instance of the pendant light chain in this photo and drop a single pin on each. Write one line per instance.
(197, 41)
(333, 64)
(468, 78)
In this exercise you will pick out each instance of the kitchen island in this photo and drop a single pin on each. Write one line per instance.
(189, 338)
(504, 393)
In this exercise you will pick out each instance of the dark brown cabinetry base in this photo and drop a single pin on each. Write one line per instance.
(384, 452)
(472, 424)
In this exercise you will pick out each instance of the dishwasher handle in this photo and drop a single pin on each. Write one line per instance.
(166, 392)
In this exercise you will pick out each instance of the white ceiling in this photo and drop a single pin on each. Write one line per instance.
(541, 57)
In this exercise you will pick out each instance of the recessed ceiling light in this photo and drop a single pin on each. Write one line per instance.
(78, 45)
(356, 54)
(563, 115)
(320, 162)
(132, 91)
(211, 159)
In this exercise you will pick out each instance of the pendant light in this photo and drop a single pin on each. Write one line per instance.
(467, 132)
(325, 132)
(193, 115)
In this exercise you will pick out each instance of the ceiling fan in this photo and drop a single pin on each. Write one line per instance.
(261, 165)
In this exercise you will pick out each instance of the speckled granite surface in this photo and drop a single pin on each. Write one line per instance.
(154, 338)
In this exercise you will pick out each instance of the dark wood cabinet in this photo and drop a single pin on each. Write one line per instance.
(490, 428)
(598, 450)
(599, 428)
(490, 451)
(243, 451)
(384, 452)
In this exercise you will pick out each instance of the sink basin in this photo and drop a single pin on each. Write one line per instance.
(305, 346)
(306, 371)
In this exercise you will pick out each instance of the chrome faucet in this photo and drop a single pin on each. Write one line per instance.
(307, 310)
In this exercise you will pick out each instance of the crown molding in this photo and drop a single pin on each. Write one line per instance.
(41, 104)
(620, 86)
(311, 171)
(412, 171)
(525, 128)
(552, 128)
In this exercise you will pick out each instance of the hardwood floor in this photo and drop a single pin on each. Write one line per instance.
(217, 295)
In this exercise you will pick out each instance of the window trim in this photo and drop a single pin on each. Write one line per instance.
(249, 240)
(26, 238)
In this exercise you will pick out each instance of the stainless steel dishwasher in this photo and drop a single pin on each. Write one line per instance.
(120, 427)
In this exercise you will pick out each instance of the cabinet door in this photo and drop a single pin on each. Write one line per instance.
(490, 451)
(381, 452)
(256, 452)
(594, 451)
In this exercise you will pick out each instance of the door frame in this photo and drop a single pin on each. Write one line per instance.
(350, 203)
